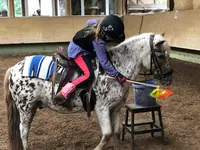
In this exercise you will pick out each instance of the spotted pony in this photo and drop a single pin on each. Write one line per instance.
(23, 95)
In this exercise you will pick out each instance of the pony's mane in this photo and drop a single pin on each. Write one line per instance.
(130, 40)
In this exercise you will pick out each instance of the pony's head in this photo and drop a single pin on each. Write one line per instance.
(157, 61)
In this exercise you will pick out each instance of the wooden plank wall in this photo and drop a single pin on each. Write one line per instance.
(182, 31)
(159, 23)
(40, 29)
(132, 25)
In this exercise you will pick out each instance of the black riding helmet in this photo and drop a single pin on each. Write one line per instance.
(113, 27)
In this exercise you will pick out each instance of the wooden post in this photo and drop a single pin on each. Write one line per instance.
(23, 8)
(11, 8)
(121, 7)
(126, 7)
(56, 7)
(170, 4)
(68, 7)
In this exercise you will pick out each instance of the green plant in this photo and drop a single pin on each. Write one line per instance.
(18, 8)
(3, 5)
(161, 1)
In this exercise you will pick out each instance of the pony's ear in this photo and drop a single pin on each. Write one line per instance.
(160, 43)
(159, 40)
(163, 34)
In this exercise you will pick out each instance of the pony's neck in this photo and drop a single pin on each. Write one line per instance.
(127, 56)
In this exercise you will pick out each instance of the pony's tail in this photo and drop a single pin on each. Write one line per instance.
(13, 117)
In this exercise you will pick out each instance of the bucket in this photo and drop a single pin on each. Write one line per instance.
(142, 94)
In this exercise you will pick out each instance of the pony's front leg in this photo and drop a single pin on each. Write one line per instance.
(105, 124)
(115, 121)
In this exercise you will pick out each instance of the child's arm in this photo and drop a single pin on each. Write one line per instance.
(100, 49)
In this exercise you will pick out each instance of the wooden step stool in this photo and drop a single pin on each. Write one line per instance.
(129, 126)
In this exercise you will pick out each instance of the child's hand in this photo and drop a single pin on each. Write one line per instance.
(121, 79)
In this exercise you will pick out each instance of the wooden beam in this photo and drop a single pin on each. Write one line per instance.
(56, 7)
(68, 7)
(126, 7)
(11, 8)
(23, 8)
(121, 7)
(171, 5)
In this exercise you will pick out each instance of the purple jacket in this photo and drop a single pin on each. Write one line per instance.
(99, 48)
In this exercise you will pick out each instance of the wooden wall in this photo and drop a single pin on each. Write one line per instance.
(181, 31)
(132, 25)
(183, 4)
(159, 23)
(40, 29)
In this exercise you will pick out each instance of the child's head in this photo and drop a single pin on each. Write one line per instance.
(111, 28)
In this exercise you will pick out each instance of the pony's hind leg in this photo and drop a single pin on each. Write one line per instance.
(105, 124)
(24, 126)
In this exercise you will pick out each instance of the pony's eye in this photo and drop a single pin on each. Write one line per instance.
(161, 56)
(159, 53)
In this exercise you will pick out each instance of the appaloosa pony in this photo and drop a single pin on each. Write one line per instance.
(23, 95)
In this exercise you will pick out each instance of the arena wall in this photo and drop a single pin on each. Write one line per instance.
(181, 28)
(40, 29)
(132, 25)
(196, 4)
(183, 4)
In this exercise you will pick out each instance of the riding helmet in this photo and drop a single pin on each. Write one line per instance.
(113, 27)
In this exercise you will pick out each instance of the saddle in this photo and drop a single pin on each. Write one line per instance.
(71, 72)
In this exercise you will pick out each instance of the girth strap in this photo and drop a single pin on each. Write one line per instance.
(54, 77)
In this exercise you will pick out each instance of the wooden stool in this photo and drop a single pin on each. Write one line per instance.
(129, 126)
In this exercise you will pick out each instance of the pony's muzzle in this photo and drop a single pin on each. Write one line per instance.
(167, 78)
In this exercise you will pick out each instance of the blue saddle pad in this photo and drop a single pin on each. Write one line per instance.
(39, 66)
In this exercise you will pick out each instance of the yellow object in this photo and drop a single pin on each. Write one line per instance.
(160, 93)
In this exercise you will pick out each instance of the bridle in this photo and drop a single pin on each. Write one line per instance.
(154, 60)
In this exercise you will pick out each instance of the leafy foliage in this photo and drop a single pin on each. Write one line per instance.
(18, 8)
(3, 5)
(17, 5)
(161, 1)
